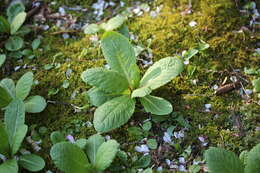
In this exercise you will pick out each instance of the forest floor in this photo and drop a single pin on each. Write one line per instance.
(205, 114)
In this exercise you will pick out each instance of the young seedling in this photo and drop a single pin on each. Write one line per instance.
(10, 92)
(115, 91)
(12, 134)
(84, 156)
(220, 160)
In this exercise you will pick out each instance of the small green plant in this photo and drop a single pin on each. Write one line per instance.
(115, 23)
(9, 92)
(115, 90)
(83, 156)
(220, 160)
(12, 134)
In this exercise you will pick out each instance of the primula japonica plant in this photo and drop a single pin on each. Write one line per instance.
(12, 134)
(83, 156)
(9, 92)
(221, 161)
(115, 90)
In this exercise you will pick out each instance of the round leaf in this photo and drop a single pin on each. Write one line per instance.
(253, 160)
(57, 137)
(9, 86)
(14, 43)
(152, 143)
(69, 158)
(36, 43)
(113, 113)
(14, 9)
(31, 162)
(10, 166)
(35, 104)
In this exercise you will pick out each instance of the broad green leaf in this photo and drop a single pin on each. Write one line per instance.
(114, 23)
(141, 92)
(243, 156)
(148, 170)
(162, 72)
(113, 113)
(14, 43)
(57, 137)
(23, 86)
(31, 162)
(14, 119)
(120, 56)
(9, 86)
(10, 166)
(219, 160)
(143, 162)
(253, 160)
(35, 104)
(98, 97)
(2, 59)
(5, 98)
(81, 143)
(4, 25)
(36, 43)
(4, 145)
(106, 80)
(93, 143)
(17, 22)
(92, 29)
(105, 154)
(69, 158)
(14, 9)
(156, 105)
(256, 84)
(18, 138)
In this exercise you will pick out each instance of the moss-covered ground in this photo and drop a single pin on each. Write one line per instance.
(232, 121)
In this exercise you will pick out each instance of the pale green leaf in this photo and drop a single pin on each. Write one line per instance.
(4, 25)
(31, 162)
(17, 22)
(98, 97)
(9, 86)
(156, 105)
(162, 72)
(114, 23)
(113, 113)
(35, 104)
(4, 145)
(69, 158)
(92, 146)
(18, 138)
(221, 161)
(5, 98)
(141, 92)
(120, 56)
(105, 154)
(14, 9)
(106, 80)
(92, 29)
(23, 86)
(2, 59)
(10, 166)
(14, 43)
(14, 119)
(256, 84)
(124, 31)
(36, 43)
(253, 160)
(190, 53)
